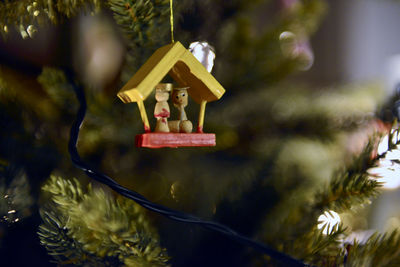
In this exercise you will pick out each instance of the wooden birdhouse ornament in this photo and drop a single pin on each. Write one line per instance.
(194, 81)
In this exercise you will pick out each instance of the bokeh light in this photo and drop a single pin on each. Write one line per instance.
(388, 170)
(204, 53)
(388, 173)
(297, 47)
(383, 145)
(328, 221)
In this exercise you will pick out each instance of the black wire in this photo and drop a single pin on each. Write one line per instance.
(165, 211)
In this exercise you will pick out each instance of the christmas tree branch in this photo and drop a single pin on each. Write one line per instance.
(141, 20)
(378, 250)
(356, 186)
(87, 227)
(351, 186)
(319, 246)
(144, 25)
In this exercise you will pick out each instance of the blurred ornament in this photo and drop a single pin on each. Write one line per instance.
(29, 8)
(99, 51)
(297, 48)
(329, 221)
(204, 53)
(31, 31)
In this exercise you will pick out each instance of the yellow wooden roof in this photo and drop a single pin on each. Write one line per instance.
(175, 60)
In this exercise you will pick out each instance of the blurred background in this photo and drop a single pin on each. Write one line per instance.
(308, 83)
(357, 43)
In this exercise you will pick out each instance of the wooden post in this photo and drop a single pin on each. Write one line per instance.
(143, 114)
(201, 116)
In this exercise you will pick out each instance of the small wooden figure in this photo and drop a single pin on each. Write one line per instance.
(180, 100)
(161, 110)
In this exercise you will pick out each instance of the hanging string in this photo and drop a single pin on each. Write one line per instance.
(171, 19)
(141, 200)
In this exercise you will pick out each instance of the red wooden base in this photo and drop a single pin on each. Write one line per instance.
(158, 140)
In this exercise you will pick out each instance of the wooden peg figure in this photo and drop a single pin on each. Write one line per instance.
(180, 100)
(161, 109)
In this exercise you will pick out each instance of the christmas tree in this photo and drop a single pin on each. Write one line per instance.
(295, 166)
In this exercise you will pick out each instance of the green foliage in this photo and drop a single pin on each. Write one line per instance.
(54, 236)
(14, 89)
(352, 186)
(142, 21)
(145, 24)
(378, 250)
(317, 248)
(54, 83)
(93, 227)
(301, 135)
(347, 189)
